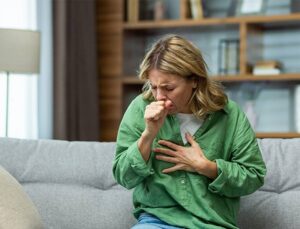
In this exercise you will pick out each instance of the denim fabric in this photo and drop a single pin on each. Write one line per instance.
(147, 221)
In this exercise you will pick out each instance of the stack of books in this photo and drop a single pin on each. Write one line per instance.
(267, 67)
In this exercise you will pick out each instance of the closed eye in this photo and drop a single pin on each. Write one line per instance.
(169, 89)
(166, 88)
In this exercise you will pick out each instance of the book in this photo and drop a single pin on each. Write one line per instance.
(233, 57)
(222, 58)
(228, 57)
(196, 9)
(147, 10)
(132, 10)
(267, 67)
(268, 64)
(266, 71)
(295, 6)
(159, 10)
(185, 11)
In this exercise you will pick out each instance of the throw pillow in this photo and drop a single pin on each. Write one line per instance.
(16, 208)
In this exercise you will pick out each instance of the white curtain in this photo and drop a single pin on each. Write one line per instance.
(23, 117)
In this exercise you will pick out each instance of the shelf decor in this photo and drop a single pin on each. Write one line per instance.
(196, 9)
(261, 38)
(295, 6)
(247, 7)
(267, 67)
(228, 57)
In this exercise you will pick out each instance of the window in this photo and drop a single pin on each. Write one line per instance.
(22, 119)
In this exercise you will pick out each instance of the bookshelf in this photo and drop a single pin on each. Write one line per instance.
(253, 33)
(233, 78)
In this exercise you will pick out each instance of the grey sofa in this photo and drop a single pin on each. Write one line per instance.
(72, 186)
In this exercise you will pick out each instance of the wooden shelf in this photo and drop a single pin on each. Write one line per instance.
(131, 80)
(236, 78)
(281, 77)
(123, 44)
(278, 135)
(290, 18)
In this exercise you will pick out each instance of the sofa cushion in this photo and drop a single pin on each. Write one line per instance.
(63, 162)
(71, 183)
(16, 209)
(276, 205)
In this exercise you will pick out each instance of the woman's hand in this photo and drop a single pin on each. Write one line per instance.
(155, 114)
(190, 159)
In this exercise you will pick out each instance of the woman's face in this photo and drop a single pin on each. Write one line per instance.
(173, 88)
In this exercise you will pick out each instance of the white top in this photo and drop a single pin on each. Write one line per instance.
(188, 123)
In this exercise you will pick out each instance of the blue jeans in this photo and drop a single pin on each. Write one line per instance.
(148, 221)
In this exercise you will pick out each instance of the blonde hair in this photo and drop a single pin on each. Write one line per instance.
(176, 55)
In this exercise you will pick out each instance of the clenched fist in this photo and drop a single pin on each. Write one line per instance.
(155, 114)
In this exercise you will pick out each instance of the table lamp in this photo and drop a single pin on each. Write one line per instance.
(19, 53)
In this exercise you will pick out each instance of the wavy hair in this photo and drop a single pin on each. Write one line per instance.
(176, 55)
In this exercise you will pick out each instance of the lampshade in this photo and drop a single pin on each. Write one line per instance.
(19, 51)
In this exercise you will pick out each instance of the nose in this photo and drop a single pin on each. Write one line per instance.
(160, 95)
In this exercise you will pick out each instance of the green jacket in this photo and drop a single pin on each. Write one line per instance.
(188, 199)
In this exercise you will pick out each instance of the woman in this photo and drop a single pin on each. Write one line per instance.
(189, 152)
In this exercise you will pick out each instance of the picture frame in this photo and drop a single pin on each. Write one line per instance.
(247, 7)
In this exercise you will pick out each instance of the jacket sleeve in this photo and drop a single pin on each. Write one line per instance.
(129, 168)
(245, 171)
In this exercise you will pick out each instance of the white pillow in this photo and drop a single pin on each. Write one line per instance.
(17, 211)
